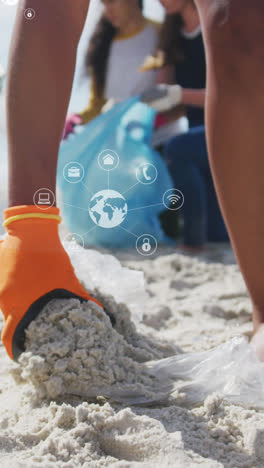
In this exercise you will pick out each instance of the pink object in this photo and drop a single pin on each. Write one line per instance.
(71, 121)
(160, 121)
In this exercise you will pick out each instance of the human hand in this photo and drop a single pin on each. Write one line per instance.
(163, 97)
(34, 269)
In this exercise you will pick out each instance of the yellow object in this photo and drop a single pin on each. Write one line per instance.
(153, 62)
(31, 215)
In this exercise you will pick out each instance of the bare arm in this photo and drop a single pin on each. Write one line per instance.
(166, 75)
(190, 97)
(193, 97)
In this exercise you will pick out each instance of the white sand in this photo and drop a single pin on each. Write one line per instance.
(193, 305)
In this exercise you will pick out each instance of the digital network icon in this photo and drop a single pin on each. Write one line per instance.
(147, 173)
(29, 14)
(173, 199)
(146, 245)
(108, 160)
(74, 242)
(109, 208)
(73, 172)
(44, 199)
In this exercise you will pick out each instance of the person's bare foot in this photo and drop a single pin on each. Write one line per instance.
(257, 342)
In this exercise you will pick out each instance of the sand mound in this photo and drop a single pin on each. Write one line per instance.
(73, 350)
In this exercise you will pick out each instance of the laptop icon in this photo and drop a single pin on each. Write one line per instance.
(44, 199)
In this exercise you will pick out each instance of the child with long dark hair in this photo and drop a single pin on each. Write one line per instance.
(121, 41)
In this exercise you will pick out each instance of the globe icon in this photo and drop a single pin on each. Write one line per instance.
(108, 209)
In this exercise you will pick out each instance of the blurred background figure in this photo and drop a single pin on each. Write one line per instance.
(182, 50)
(122, 39)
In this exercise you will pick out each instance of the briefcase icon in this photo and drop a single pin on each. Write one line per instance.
(74, 172)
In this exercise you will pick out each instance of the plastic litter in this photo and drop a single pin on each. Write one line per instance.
(130, 288)
(231, 370)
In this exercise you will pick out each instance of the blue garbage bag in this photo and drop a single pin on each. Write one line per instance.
(111, 181)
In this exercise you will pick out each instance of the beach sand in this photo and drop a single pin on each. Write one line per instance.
(188, 305)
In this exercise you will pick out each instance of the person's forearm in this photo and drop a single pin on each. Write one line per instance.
(193, 97)
(40, 74)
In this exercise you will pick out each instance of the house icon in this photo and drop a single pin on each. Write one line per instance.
(108, 160)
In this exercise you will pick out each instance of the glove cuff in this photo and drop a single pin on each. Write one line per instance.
(176, 94)
(17, 213)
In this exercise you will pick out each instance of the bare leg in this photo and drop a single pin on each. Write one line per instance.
(234, 35)
(41, 68)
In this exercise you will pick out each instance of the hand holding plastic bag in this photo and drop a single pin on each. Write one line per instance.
(163, 97)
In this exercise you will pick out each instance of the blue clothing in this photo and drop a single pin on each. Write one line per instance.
(187, 159)
(191, 73)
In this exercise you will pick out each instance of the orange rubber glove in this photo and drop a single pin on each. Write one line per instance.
(34, 268)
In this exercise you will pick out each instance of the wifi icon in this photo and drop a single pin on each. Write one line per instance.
(173, 199)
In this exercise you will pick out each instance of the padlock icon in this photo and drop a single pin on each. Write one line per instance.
(29, 13)
(146, 247)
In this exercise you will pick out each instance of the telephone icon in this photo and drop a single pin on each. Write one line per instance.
(145, 173)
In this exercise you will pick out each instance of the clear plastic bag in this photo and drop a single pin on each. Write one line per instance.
(231, 370)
